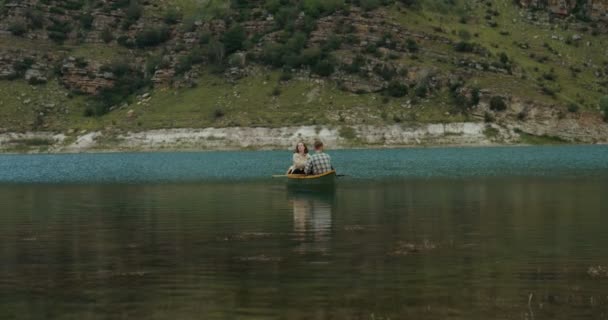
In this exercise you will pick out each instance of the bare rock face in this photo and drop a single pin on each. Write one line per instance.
(35, 76)
(86, 78)
(257, 26)
(7, 69)
(549, 120)
(596, 9)
(23, 64)
(163, 77)
(355, 84)
(102, 21)
(561, 7)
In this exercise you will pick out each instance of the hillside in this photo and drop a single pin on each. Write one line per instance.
(534, 68)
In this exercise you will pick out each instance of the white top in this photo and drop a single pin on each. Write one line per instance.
(299, 161)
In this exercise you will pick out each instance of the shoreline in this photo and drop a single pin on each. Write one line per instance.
(462, 134)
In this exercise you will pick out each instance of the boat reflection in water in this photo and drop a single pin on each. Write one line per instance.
(312, 220)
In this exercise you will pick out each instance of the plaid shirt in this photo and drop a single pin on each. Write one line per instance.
(318, 163)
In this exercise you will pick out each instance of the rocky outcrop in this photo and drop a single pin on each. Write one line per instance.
(20, 64)
(35, 75)
(85, 77)
(234, 138)
(7, 68)
(559, 7)
(595, 9)
(546, 120)
(77, 74)
(259, 138)
(598, 9)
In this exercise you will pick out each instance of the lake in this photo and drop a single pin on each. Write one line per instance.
(431, 233)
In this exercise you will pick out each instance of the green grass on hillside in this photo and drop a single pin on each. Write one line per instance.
(25, 107)
(540, 140)
(263, 100)
(511, 31)
(253, 101)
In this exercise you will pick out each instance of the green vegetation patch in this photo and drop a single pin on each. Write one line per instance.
(527, 138)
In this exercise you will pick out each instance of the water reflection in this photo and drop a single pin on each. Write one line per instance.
(312, 220)
(423, 249)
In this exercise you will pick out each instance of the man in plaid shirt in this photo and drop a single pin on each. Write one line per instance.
(318, 163)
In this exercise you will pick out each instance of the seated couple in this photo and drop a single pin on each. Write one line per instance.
(303, 163)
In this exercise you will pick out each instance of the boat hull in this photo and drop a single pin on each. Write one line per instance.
(325, 180)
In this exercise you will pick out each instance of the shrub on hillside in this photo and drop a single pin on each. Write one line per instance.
(272, 54)
(573, 107)
(204, 38)
(296, 42)
(464, 35)
(172, 16)
(369, 4)
(286, 75)
(184, 64)
(356, 65)
(56, 10)
(152, 36)
(351, 39)
(323, 68)
(411, 3)
(550, 76)
(153, 63)
(233, 39)
(497, 103)
(35, 18)
(286, 16)
(276, 91)
(604, 107)
(128, 80)
(488, 117)
(464, 46)
(17, 28)
(72, 4)
(216, 52)
(332, 44)
(504, 59)
(311, 56)
(58, 31)
(547, 90)
(106, 35)
(396, 89)
(21, 66)
(57, 36)
(125, 41)
(318, 8)
(218, 113)
(475, 96)
(117, 4)
(86, 21)
(421, 90)
(272, 5)
(134, 11)
(411, 45)
(385, 71)
(371, 48)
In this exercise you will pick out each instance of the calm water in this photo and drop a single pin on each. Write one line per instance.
(471, 233)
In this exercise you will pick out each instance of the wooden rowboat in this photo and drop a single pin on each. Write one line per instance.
(324, 179)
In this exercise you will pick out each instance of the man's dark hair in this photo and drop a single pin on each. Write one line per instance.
(318, 145)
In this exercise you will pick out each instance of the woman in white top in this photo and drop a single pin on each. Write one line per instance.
(300, 156)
